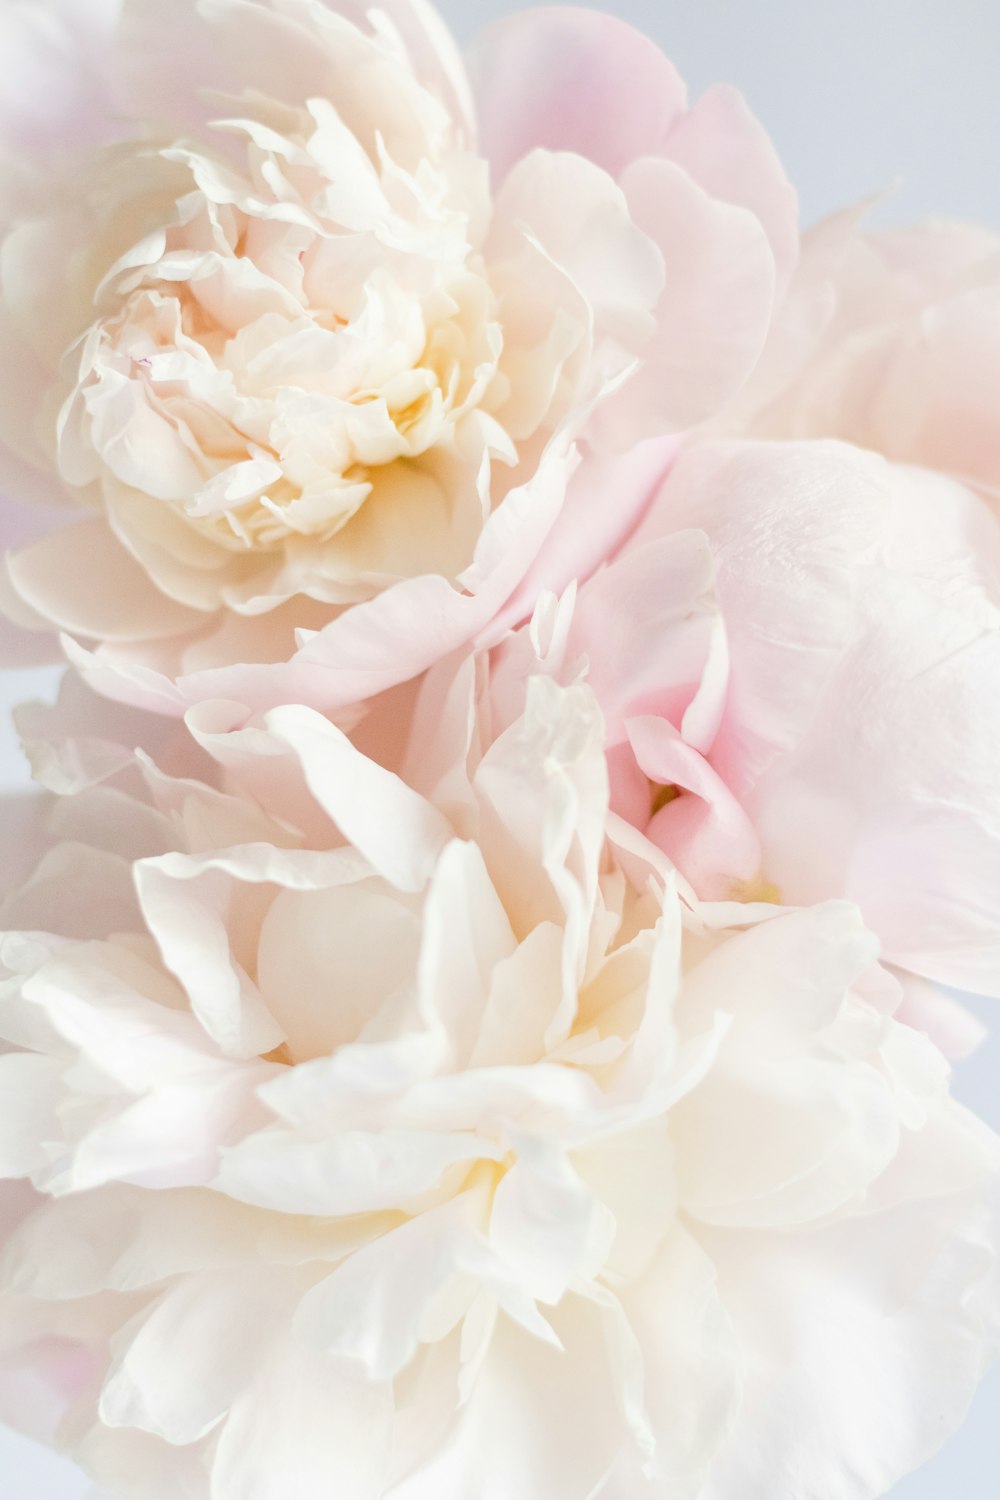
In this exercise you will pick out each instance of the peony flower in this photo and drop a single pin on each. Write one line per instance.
(891, 341)
(313, 375)
(798, 660)
(423, 1134)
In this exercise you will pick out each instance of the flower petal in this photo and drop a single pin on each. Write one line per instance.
(569, 79)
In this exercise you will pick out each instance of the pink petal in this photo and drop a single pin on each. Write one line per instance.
(645, 626)
(862, 715)
(371, 646)
(714, 314)
(729, 153)
(788, 525)
(606, 499)
(570, 79)
(55, 93)
(705, 831)
(935, 402)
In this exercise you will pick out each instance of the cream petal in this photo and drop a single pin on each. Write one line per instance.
(137, 1240)
(908, 1288)
(540, 1450)
(331, 962)
(204, 913)
(545, 1225)
(401, 1275)
(307, 1422)
(361, 652)
(466, 936)
(357, 1172)
(819, 1121)
(691, 1368)
(291, 55)
(31, 1092)
(112, 599)
(395, 829)
(181, 1363)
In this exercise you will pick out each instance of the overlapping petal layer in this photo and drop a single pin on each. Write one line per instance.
(469, 1022)
(796, 656)
(411, 1132)
(310, 367)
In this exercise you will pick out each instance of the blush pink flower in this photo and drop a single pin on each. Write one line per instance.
(891, 341)
(422, 1133)
(798, 661)
(335, 321)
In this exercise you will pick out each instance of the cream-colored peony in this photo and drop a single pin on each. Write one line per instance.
(422, 1136)
(306, 343)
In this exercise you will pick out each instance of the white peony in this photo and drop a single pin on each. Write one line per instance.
(421, 1135)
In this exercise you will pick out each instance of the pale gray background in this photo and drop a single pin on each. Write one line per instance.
(856, 94)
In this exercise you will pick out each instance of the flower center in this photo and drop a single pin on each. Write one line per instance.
(259, 367)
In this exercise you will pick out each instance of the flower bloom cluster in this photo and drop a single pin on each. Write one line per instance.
(474, 1013)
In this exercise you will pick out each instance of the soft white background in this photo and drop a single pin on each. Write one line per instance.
(858, 95)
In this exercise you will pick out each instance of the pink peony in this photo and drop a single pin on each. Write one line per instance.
(314, 372)
(798, 659)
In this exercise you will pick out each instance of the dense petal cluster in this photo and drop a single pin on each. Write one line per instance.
(473, 1009)
(383, 1142)
(798, 658)
(314, 355)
